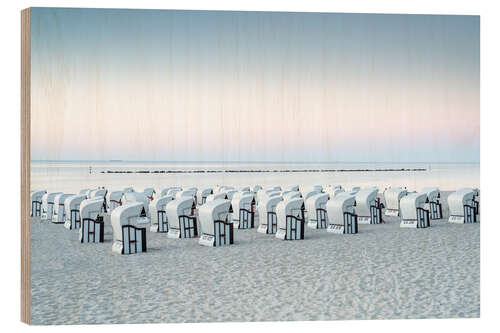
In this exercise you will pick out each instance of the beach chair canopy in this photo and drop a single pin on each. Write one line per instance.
(97, 193)
(186, 193)
(268, 204)
(128, 189)
(256, 188)
(114, 196)
(287, 195)
(131, 197)
(216, 196)
(307, 194)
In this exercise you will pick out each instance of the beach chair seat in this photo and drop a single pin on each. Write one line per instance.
(129, 228)
(202, 194)
(72, 211)
(59, 213)
(392, 198)
(181, 216)
(159, 221)
(463, 206)
(317, 217)
(432, 203)
(48, 206)
(92, 223)
(243, 207)
(268, 221)
(36, 202)
(368, 207)
(413, 212)
(216, 229)
(290, 219)
(342, 218)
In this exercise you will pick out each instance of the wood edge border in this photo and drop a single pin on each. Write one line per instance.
(25, 164)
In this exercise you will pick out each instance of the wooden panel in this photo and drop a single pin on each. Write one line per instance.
(25, 164)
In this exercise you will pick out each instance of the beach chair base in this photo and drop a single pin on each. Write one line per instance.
(271, 226)
(294, 229)
(422, 221)
(134, 240)
(224, 233)
(92, 231)
(188, 228)
(350, 225)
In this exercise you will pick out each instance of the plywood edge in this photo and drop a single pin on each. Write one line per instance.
(25, 164)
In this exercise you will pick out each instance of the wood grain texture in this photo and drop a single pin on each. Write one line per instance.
(25, 164)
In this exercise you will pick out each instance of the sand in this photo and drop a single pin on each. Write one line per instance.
(383, 272)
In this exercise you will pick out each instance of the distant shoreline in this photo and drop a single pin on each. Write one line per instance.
(261, 171)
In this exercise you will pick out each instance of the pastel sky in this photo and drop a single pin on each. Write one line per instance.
(253, 86)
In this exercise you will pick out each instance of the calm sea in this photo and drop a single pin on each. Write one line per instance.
(71, 176)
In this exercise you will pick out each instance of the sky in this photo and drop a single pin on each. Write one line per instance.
(159, 85)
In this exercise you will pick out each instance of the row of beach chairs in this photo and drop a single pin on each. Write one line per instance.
(212, 214)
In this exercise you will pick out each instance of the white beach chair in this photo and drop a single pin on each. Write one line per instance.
(36, 202)
(463, 206)
(243, 211)
(129, 229)
(432, 203)
(181, 216)
(84, 191)
(202, 194)
(92, 223)
(174, 191)
(268, 221)
(159, 221)
(291, 222)
(230, 194)
(48, 205)
(59, 213)
(368, 207)
(72, 210)
(413, 212)
(114, 199)
(216, 229)
(316, 211)
(342, 218)
(392, 197)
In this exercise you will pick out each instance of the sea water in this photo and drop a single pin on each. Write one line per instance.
(72, 176)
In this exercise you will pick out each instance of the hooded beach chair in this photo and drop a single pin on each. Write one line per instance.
(316, 211)
(59, 213)
(290, 218)
(216, 196)
(432, 203)
(129, 228)
(48, 205)
(342, 218)
(36, 202)
(72, 209)
(149, 192)
(159, 221)
(92, 223)
(413, 212)
(243, 211)
(463, 206)
(216, 229)
(114, 199)
(368, 206)
(268, 221)
(392, 197)
(181, 216)
(164, 191)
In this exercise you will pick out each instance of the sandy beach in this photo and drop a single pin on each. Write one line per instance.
(383, 272)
